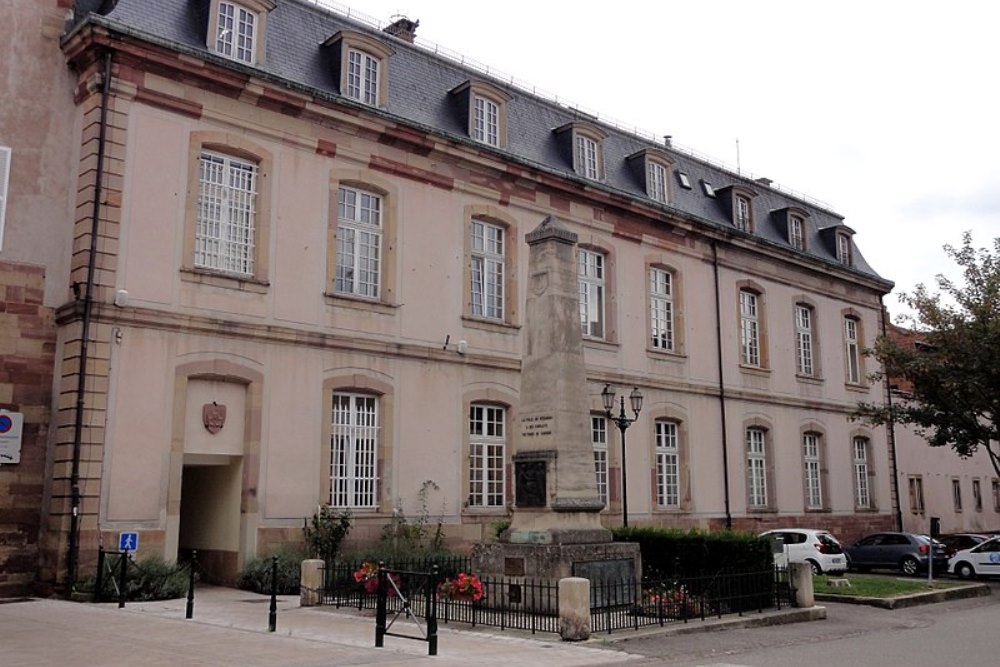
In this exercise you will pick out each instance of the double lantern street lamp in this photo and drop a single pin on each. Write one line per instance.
(623, 422)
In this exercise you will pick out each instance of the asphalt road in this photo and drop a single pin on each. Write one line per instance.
(959, 632)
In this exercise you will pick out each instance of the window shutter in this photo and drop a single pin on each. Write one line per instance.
(4, 179)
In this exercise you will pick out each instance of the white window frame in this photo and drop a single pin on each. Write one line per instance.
(749, 328)
(852, 350)
(812, 470)
(796, 233)
(354, 447)
(359, 242)
(226, 226)
(661, 307)
(668, 464)
(487, 456)
(487, 270)
(862, 489)
(656, 181)
(486, 120)
(916, 488)
(363, 71)
(591, 271)
(599, 439)
(756, 442)
(236, 33)
(804, 340)
(587, 157)
(743, 217)
(5, 160)
(844, 249)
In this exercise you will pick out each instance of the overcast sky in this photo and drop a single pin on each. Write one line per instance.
(886, 111)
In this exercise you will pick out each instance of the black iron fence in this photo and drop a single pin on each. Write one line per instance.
(533, 605)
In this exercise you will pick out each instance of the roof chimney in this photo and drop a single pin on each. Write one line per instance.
(403, 28)
(765, 181)
(668, 140)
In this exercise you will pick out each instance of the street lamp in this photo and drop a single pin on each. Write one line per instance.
(623, 422)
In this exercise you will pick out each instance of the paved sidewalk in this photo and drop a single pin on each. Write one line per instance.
(230, 628)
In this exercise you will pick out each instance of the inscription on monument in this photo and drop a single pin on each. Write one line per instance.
(513, 567)
(536, 425)
(529, 483)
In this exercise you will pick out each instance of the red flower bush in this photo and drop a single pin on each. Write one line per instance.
(367, 576)
(463, 587)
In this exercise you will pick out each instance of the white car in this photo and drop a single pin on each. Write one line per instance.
(982, 560)
(807, 545)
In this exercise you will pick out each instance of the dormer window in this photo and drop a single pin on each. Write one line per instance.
(361, 65)
(796, 232)
(652, 167)
(585, 141)
(844, 249)
(486, 108)
(743, 218)
(236, 29)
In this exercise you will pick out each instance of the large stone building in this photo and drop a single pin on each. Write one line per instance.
(295, 272)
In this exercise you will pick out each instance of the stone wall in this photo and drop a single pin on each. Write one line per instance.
(27, 350)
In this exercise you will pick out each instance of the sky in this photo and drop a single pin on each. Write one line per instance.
(886, 111)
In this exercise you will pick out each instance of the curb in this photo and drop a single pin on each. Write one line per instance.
(815, 613)
(912, 600)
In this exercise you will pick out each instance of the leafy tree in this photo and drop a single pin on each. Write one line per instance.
(953, 370)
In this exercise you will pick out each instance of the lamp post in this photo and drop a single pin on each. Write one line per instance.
(622, 422)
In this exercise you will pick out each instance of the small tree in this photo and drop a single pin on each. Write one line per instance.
(326, 531)
(953, 370)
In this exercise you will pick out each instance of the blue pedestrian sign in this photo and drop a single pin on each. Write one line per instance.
(128, 541)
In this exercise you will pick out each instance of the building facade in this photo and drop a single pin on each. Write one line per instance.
(298, 246)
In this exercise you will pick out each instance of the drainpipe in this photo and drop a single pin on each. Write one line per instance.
(891, 432)
(722, 385)
(72, 558)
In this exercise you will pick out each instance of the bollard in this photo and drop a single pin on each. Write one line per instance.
(432, 621)
(189, 610)
(272, 617)
(380, 607)
(99, 583)
(122, 577)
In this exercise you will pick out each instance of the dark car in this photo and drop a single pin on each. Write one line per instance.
(955, 542)
(896, 551)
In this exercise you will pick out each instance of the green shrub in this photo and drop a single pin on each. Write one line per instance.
(256, 574)
(152, 578)
(678, 553)
(326, 532)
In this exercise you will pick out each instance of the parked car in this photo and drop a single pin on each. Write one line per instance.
(904, 551)
(807, 545)
(955, 542)
(980, 561)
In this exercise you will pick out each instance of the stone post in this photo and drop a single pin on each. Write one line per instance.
(574, 609)
(801, 577)
(311, 582)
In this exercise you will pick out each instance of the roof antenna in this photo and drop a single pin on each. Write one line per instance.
(738, 171)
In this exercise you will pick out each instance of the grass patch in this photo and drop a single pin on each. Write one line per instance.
(879, 586)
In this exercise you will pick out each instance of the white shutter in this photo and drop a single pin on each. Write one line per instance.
(4, 179)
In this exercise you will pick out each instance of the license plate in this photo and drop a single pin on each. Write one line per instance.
(836, 560)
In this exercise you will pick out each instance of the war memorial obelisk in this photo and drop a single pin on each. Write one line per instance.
(555, 526)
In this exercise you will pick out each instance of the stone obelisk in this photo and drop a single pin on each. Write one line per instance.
(555, 529)
(555, 489)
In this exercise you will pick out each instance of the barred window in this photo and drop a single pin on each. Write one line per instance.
(668, 478)
(599, 438)
(226, 225)
(354, 451)
(486, 455)
(661, 301)
(811, 469)
(359, 242)
(862, 496)
(756, 468)
(487, 270)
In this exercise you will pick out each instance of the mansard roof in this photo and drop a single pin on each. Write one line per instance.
(419, 85)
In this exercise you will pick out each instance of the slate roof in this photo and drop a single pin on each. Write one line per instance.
(419, 84)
